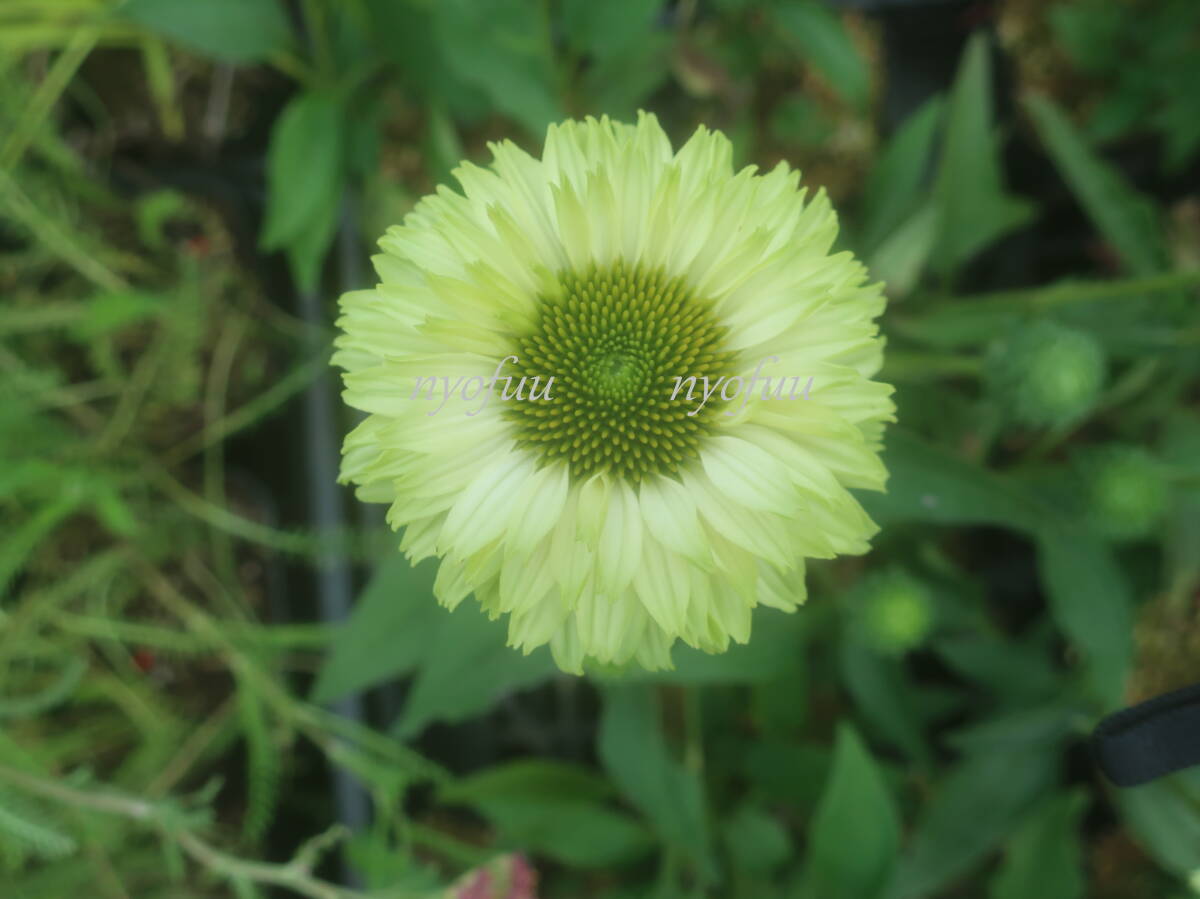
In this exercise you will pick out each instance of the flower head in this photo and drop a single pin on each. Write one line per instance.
(1124, 490)
(897, 611)
(1045, 374)
(711, 399)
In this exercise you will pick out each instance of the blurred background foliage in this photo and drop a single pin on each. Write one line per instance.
(177, 719)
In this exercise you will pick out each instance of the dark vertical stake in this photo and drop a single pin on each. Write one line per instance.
(335, 587)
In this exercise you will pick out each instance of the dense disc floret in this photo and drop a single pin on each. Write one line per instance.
(605, 513)
(618, 342)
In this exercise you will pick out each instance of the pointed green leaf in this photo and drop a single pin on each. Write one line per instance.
(1044, 857)
(974, 208)
(1127, 219)
(231, 30)
(855, 834)
(634, 752)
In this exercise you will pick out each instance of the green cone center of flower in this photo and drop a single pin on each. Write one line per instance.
(615, 339)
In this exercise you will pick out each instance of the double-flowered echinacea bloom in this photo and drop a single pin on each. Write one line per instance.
(616, 512)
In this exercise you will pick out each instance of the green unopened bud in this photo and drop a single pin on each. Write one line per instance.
(1046, 374)
(897, 611)
(1125, 490)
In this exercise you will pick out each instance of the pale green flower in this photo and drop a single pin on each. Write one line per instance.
(607, 521)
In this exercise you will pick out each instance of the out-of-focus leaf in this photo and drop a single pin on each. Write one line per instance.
(1091, 33)
(883, 695)
(780, 706)
(58, 690)
(1181, 448)
(970, 813)
(823, 41)
(1046, 726)
(757, 842)
(113, 310)
(974, 209)
(467, 667)
(634, 752)
(788, 772)
(388, 634)
(303, 170)
(928, 484)
(553, 808)
(855, 834)
(1127, 219)
(505, 54)
(443, 149)
(1090, 599)
(1044, 857)
(894, 189)
(900, 259)
(1164, 816)
(404, 34)
(19, 542)
(605, 29)
(619, 83)
(800, 120)
(1018, 672)
(977, 319)
(231, 30)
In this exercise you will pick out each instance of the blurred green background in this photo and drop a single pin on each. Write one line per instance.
(185, 188)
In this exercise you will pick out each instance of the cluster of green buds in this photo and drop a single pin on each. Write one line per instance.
(1045, 375)
(895, 611)
(1124, 490)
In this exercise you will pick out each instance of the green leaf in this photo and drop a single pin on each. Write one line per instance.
(895, 188)
(634, 752)
(114, 310)
(1046, 725)
(443, 149)
(620, 82)
(901, 258)
(974, 208)
(23, 822)
(1181, 547)
(238, 31)
(1164, 816)
(506, 54)
(304, 171)
(307, 248)
(757, 842)
(262, 762)
(388, 634)
(823, 41)
(1044, 857)
(1018, 672)
(460, 659)
(553, 808)
(971, 812)
(606, 29)
(927, 484)
(61, 688)
(1091, 601)
(884, 697)
(467, 667)
(788, 772)
(855, 833)
(1124, 217)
